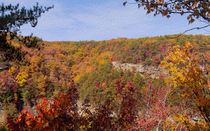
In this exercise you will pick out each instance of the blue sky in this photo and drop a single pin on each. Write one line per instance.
(75, 20)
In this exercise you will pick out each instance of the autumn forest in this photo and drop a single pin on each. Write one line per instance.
(150, 83)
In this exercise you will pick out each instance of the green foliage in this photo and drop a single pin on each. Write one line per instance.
(10, 109)
(3, 128)
(138, 81)
(30, 95)
(158, 83)
(148, 61)
(7, 97)
(70, 62)
(98, 86)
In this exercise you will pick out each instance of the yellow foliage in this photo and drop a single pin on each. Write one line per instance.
(35, 59)
(62, 55)
(12, 70)
(186, 72)
(189, 124)
(77, 78)
(35, 62)
(16, 45)
(21, 78)
(184, 69)
(103, 58)
(41, 81)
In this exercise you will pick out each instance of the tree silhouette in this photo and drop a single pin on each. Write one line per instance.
(12, 17)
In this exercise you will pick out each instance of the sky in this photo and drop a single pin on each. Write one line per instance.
(78, 20)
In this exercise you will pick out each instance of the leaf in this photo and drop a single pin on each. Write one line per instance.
(194, 4)
(124, 3)
(191, 21)
(189, 16)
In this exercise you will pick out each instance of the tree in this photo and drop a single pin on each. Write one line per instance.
(156, 108)
(188, 73)
(12, 17)
(194, 9)
(61, 114)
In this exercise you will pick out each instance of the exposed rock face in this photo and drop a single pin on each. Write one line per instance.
(151, 70)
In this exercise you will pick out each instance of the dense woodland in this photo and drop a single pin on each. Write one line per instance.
(74, 85)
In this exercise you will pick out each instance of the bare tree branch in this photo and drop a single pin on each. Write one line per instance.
(196, 28)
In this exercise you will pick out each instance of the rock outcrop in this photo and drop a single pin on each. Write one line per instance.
(151, 70)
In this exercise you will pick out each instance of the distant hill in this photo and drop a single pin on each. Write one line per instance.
(146, 50)
(92, 61)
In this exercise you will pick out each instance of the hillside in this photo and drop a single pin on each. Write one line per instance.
(95, 72)
(86, 57)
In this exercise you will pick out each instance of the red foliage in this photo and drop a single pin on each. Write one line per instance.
(126, 47)
(137, 60)
(111, 47)
(156, 108)
(157, 59)
(128, 110)
(161, 76)
(149, 53)
(163, 48)
(59, 115)
(207, 56)
(97, 84)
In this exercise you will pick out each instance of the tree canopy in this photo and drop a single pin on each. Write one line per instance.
(194, 9)
(12, 17)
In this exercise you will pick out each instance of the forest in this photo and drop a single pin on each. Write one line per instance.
(74, 85)
(157, 83)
